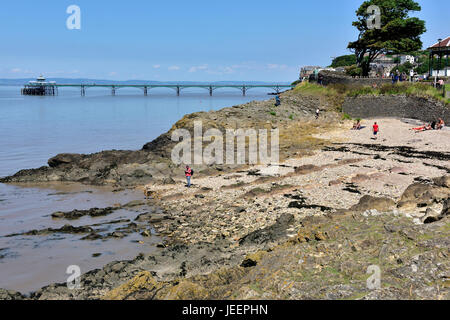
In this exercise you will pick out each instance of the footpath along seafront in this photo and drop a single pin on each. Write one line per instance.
(339, 203)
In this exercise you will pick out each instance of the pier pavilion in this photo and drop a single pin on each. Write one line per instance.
(40, 87)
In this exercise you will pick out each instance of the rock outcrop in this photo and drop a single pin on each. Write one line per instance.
(153, 162)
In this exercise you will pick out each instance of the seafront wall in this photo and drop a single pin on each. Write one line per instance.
(401, 106)
(339, 78)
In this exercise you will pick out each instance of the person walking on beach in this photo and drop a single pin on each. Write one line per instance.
(188, 173)
(375, 130)
(277, 101)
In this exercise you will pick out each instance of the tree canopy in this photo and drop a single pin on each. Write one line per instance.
(398, 32)
(344, 61)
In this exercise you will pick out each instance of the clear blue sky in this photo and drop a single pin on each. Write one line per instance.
(183, 40)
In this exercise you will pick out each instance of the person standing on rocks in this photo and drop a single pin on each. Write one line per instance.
(277, 101)
(188, 173)
(317, 113)
(375, 130)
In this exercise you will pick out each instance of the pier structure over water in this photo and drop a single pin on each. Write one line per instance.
(51, 88)
(40, 88)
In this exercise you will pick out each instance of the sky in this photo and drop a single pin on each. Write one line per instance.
(197, 40)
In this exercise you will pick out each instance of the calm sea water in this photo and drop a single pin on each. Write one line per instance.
(33, 129)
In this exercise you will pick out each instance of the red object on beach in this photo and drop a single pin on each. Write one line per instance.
(375, 127)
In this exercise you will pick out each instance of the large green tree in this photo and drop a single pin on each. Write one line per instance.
(397, 32)
(344, 61)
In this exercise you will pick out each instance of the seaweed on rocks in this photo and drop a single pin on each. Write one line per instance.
(403, 151)
(269, 234)
(350, 187)
(406, 152)
(65, 229)
(76, 214)
(300, 203)
(437, 166)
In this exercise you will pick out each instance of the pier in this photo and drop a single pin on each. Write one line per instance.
(40, 87)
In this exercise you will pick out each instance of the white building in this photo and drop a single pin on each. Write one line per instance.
(407, 58)
(306, 71)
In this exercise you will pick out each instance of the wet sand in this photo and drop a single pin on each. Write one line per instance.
(28, 263)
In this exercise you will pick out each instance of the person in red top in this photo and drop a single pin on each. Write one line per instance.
(188, 174)
(375, 130)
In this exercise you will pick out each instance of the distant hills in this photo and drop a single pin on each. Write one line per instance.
(19, 82)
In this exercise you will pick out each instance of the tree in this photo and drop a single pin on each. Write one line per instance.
(424, 65)
(398, 32)
(344, 61)
(353, 70)
(406, 67)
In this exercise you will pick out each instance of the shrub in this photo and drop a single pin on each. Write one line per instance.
(346, 116)
(362, 91)
(353, 71)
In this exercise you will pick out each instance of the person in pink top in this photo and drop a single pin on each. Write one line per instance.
(188, 173)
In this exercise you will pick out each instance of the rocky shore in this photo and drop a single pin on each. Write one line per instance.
(307, 228)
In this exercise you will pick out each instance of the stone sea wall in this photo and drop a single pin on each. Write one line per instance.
(340, 78)
(401, 106)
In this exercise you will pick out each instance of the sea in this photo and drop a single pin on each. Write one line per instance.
(35, 128)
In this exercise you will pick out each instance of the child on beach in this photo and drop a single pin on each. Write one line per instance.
(375, 130)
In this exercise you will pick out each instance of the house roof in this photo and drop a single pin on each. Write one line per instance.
(444, 43)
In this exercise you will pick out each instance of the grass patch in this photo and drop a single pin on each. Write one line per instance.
(297, 136)
(406, 88)
(346, 116)
(336, 93)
